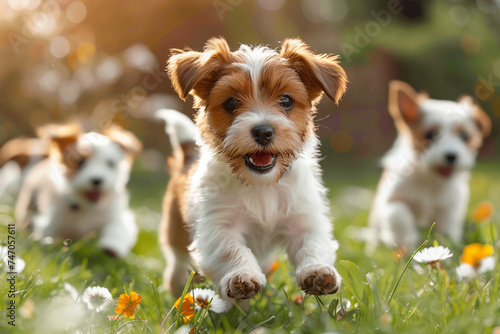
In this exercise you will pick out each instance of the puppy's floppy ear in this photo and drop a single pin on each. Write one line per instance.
(60, 135)
(320, 72)
(126, 139)
(481, 118)
(404, 102)
(196, 71)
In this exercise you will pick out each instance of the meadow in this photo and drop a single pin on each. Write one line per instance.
(428, 299)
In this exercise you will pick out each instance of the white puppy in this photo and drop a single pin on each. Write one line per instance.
(80, 188)
(426, 172)
(255, 184)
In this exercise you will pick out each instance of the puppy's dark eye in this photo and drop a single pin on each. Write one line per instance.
(431, 135)
(230, 105)
(80, 163)
(464, 136)
(110, 164)
(286, 102)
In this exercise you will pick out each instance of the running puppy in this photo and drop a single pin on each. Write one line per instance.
(251, 182)
(80, 188)
(426, 172)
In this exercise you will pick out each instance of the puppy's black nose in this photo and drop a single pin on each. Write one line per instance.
(96, 181)
(451, 157)
(263, 134)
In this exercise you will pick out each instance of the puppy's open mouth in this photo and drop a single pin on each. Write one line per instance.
(93, 195)
(260, 162)
(445, 171)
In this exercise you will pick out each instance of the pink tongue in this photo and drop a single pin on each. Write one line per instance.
(93, 196)
(261, 159)
(445, 171)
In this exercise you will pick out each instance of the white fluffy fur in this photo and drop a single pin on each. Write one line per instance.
(237, 229)
(178, 126)
(411, 194)
(48, 198)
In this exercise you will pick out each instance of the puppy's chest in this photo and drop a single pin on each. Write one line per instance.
(76, 220)
(268, 208)
(427, 200)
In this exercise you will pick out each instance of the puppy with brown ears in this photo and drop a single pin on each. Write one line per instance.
(80, 187)
(252, 182)
(426, 172)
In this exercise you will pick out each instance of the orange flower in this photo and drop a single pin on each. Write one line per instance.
(187, 310)
(483, 212)
(272, 269)
(127, 304)
(474, 253)
(297, 299)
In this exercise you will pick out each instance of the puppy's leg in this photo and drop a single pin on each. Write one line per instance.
(312, 252)
(398, 226)
(452, 220)
(175, 274)
(219, 250)
(119, 236)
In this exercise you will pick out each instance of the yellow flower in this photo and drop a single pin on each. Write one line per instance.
(483, 212)
(474, 253)
(127, 304)
(187, 310)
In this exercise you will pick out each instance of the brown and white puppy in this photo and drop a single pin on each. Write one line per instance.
(253, 182)
(426, 172)
(80, 188)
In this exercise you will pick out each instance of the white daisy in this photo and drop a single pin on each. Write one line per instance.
(465, 270)
(204, 298)
(97, 298)
(431, 255)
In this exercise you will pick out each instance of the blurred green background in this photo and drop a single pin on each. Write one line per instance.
(104, 60)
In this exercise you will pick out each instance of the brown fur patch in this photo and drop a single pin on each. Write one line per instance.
(173, 227)
(24, 150)
(404, 104)
(319, 72)
(126, 139)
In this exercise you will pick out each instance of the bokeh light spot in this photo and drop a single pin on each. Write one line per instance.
(76, 12)
(140, 57)
(41, 24)
(109, 70)
(341, 141)
(59, 47)
(470, 44)
(317, 10)
(459, 15)
(339, 11)
(69, 92)
(15, 4)
(85, 52)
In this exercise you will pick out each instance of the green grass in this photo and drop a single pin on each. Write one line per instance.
(432, 301)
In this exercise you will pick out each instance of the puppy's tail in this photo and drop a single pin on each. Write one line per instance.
(181, 132)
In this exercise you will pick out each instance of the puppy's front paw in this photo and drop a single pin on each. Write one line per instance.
(243, 284)
(318, 279)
